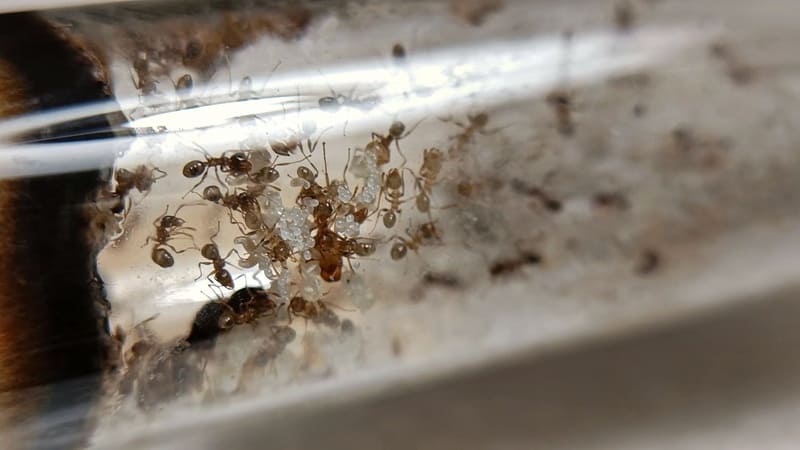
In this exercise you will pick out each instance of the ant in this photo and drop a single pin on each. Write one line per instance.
(318, 312)
(506, 266)
(398, 51)
(562, 103)
(333, 103)
(393, 187)
(477, 124)
(330, 248)
(210, 251)
(213, 318)
(295, 141)
(379, 145)
(424, 233)
(236, 165)
(167, 227)
(244, 202)
(250, 303)
(141, 178)
(428, 173)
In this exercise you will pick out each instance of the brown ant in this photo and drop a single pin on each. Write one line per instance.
(428, 174)
(210, 251)
(379, 145)
(236, 165)
(550, 203)
(317, 312)
(244, 202)
(251, 303)
(141, 178)
(476, 124)
(167, 227)
(393, 187)
(295, 140)
(330, 248)
(506, 266)
(424, 233)
(562, 103)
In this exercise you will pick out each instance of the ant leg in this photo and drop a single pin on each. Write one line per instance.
(200, 268)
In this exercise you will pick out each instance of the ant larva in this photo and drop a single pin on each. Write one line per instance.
(507, 266)
(167, 227)
(476, 124)
(423, 234)
(210, 252)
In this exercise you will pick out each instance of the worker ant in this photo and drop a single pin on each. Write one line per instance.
(423, 234)
(210, 251)
(317, 312)
(476, 125)
(393, 189)
(379, 145)
(238, 164)
(428, 174)
(243, 201)
(167, 227)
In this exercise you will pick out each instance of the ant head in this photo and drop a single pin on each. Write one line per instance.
(210, 251)
(480, 120)
(396, 129)
(306, 174)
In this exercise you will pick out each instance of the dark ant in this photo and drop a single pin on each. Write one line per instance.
(213, 318)
(562, 104)
(507, 266)
(424, 233)
(251, 303)
(236, 165)
(210, 251)
(476, 124)
(398, 51)
(167, 227)
(649, 261)
(624, 15)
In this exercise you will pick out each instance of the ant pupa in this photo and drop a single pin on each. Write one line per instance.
(167, 227)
